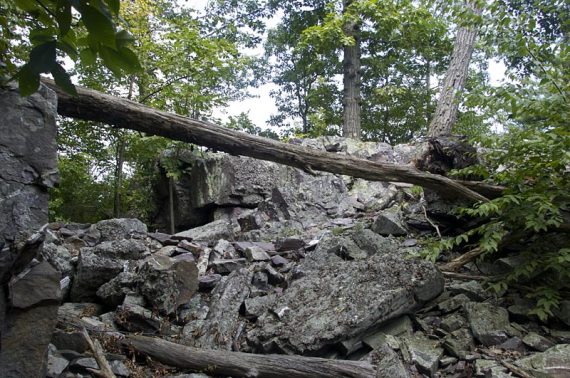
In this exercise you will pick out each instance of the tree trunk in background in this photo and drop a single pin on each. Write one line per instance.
(454, 82)
(119, 162)
(351, 81)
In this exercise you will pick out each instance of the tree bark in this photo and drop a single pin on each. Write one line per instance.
(237, 364)
(351, 81)
(96, 106)
(455, 77)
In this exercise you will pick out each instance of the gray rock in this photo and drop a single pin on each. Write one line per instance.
(453, 303)
(113, 293)
(397, 327)
(124, 249)
(289, 244)
(135, 318)
(279, 261)
(55, 365)
(35, 296)
(256, 254)
(487, 322)
(227, 266)
(220, 229)
(115, 229)
(254, 307)
(69, 341)
(70, 310)
(452, 322)
(119, 368)
(343, 300)
(38, 284)
(459, 343)
(371, 242)
(388, 223)
(167, 283)
(85, 363)
(422, 352)
(27, 169)
(59, 257)
(491, 369)
(274, 277)
(537, 342)
(209, 281)
(472, 289)
(219, 328)
(92, 272)
(388, 363)
(554, 362)
(514, 344)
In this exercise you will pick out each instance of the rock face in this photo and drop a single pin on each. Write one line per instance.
(342, 300)
(28, 162)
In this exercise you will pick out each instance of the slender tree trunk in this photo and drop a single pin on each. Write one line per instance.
(455, 77)
(428, 92)
(351, 81)
(119, 162)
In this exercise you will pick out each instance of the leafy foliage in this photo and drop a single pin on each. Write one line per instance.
(50, 32)
(532, 160)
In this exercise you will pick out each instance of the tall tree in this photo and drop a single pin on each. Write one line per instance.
(351, 77)
(455, 77)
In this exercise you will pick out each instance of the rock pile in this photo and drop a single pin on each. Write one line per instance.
(290, 264)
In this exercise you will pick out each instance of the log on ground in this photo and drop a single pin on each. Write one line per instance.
(96, 106)
(238, 364)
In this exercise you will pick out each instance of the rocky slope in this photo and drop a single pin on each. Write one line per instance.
(289, 263)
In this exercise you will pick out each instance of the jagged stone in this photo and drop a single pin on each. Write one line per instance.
(254, 307)
(114, 229)
(422, 352)
(388, 363)
(220, 229)
(228, 266)
(119, 368)
(113, 293)
(342, 300)
(397, 327)
(471, 289)
(452, 322)
(69, 341)
(289, 244)
(59, 257)
(55, 365)
(209, 281)
(388, 223)
(459, 343)
(491, 369)
(92, 272)
(135, 318)
(279, 261)
(487, 322)
(256, 254)
(537, 342)
(218, 329)
(453, 303)
(554, 362)
(167, 283)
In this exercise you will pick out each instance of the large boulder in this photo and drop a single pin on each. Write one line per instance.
(338, 300)
(167, 283)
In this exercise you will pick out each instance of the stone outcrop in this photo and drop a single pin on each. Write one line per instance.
(29, 288)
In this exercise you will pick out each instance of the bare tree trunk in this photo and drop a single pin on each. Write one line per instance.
(237, 364)
(96, 106)
(351, 81)
(119, 162)
(455, 77)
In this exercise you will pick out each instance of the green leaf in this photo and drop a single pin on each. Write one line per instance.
(100, 27)
(63, 80)
(42, 57)
(39, 36)
(27, 5)
(123, 38)
(114, 5)
(87, 56)
(119, 61)
(28, 81)
(63, 16)
(68, 49)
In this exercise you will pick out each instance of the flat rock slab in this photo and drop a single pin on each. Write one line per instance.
(344, 300)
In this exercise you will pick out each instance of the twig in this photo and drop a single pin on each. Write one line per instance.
(104, 367)
(430, 222)
(460, 276)
(458, 262)
(518, 371)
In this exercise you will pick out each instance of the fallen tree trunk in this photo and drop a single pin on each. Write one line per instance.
(238, 364)
(96, 106)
